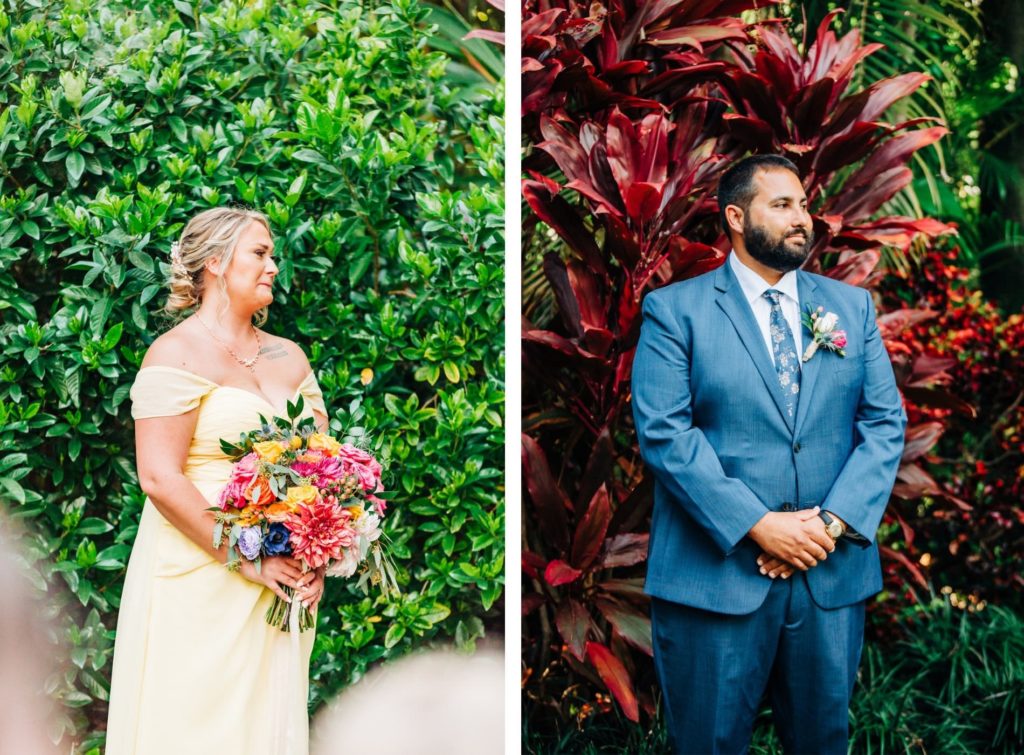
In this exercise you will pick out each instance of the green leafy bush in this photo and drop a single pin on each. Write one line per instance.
(382, 180)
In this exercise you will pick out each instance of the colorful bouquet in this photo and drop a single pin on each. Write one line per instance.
(297, 492)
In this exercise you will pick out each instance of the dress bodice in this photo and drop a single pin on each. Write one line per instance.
(225, 412)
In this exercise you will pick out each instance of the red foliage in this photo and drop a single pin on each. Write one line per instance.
(632, 110)
(968, 536)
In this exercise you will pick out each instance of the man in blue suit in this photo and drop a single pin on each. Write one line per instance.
(774, 448)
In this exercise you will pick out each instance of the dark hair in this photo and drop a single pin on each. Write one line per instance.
(736, 186)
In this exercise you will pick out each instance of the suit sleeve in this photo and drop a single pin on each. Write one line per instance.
(861, 491)
(678, 454)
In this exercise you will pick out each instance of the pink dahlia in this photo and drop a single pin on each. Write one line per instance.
(307, 464)
(320, 469)
(357, 462)
(319, 532)
(244, 473)
(330, 471)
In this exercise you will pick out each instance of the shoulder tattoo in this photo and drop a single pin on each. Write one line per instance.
(275, 350)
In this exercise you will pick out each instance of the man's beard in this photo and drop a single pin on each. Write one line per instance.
(772, 251)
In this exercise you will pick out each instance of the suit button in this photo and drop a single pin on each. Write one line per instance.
(789, 507)
(796, 448)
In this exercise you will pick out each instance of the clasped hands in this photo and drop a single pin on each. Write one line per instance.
(791, 540)
(277, 572)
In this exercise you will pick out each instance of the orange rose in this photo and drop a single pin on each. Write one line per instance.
(248, 516)
(277, 512)
(259, 493)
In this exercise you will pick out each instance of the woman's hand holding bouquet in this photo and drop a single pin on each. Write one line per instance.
(300, 504)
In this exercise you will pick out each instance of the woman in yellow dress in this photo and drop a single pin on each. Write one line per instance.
(196, 667)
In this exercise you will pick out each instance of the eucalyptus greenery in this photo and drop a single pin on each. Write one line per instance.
(382, 179)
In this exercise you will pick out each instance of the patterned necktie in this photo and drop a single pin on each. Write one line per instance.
(787, 364)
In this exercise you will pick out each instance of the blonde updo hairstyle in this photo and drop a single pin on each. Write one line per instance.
(211, 233)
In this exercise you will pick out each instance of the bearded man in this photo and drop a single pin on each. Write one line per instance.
(767, 410)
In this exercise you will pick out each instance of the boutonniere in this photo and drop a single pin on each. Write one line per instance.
(822, 325)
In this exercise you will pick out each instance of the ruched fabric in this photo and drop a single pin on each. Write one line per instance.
(196, 667)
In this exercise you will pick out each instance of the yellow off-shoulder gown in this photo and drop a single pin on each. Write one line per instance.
(197, 669)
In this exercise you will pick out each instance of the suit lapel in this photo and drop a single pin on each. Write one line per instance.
(735, 306)
(809, 295)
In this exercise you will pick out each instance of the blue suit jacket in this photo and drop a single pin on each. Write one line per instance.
(713, 429)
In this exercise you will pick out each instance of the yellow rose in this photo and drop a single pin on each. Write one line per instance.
(269, 450)
(296, 442)
(325, 443)
(301, 494)
(355, 511)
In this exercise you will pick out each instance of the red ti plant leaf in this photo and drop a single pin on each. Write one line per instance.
(643, 200)
(810, 109)
(846, 147)
(893, 153)
(531, 602)
(908, 531)
(891, 324)
(533, 563)
(632, 625)
(858, 202)
(565, 148)
(568, 306)
(579, 358)
(750, 131)
(630, 589)
(637, 154)
(697, 35)
(853, 268)
(543, 198)
(873, 101)
(615, 677)
(574, 624)
(538, 83)
(600, 462)
(906, 562)
(548, 499)
(894, 231)
(685, 260)
(590, 532)
(625, 550)
(930, 369)
(937, 398)
(912, 482)
(920, 439)
(560, 573)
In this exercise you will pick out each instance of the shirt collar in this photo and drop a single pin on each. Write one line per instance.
(754, 285)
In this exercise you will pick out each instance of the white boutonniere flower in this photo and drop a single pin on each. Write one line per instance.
(822, 326)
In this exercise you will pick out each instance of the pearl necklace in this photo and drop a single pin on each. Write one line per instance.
(249, 364)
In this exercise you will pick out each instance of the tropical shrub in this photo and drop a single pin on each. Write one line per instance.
(967, 540)
(952, 683)
(631, 112)
(382, 180)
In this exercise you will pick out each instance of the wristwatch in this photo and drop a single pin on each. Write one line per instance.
(832, 526)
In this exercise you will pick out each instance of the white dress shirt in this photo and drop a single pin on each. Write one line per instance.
(754, 286)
